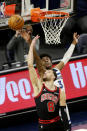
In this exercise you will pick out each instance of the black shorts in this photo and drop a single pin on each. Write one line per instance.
(56, 126)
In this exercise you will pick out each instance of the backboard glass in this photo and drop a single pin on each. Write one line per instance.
(23, 7)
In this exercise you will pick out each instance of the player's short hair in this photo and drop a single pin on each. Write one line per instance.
(46, 55)
(53, 73)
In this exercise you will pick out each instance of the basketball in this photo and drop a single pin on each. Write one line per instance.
(15, 22)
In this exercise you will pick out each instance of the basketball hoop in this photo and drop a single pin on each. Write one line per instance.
(52, 23)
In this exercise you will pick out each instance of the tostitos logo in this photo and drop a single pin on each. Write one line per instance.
(14, 89)
(79, 74)
(16, 92)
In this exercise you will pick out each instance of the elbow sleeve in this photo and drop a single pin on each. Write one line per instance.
(68, 54)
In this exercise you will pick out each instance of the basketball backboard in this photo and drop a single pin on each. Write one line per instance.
(66, 5)
(59, 5)
(23, 7)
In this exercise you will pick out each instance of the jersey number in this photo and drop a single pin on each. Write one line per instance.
(51, 107)
(60, 83)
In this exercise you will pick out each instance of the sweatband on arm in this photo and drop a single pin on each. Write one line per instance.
(68, 54)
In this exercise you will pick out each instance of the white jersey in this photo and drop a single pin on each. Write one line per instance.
(59, 82)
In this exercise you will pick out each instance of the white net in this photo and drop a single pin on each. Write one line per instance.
(52, 29)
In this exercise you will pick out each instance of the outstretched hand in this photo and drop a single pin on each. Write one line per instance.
(34, 40)
(75, 38)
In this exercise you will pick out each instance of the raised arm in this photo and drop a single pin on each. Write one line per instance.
(33, 75)
(69, 52)
(40, 67)
(14, 40)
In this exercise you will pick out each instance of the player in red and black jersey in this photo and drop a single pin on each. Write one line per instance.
(44, 63)
(47, 103)
(48, 97)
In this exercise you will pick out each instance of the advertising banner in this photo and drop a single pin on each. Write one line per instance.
(16, 91)
(75, 78)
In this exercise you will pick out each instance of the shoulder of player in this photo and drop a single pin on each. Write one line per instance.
(57, 71)
(37, 91)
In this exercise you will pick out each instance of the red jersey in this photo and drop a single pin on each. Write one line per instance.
(47, 103)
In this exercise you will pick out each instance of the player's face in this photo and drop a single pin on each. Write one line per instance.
(48, 75)
(46, 61)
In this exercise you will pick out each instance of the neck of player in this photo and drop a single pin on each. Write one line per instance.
(50, 85)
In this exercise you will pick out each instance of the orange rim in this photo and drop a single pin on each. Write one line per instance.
(37, 15)
(43, 15)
